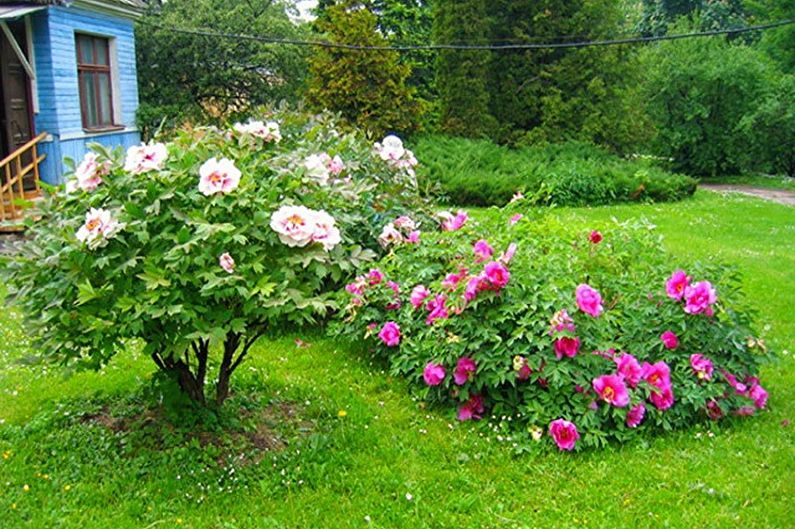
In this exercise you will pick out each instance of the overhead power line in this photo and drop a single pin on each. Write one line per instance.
(476, 47)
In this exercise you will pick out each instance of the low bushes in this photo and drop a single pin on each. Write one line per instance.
(480, 173)
(584, 337)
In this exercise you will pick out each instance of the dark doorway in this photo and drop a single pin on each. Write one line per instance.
(15, 112)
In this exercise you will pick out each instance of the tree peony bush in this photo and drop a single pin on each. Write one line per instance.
(579, 336)
(204, 244)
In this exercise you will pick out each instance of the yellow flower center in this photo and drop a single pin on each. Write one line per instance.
(93, 224)
(296, 219)
(608, 393)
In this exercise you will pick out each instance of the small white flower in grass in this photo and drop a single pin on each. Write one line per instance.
(143, 158)
(218, 176)
(98, 228)
(409, 497)
(227, 263)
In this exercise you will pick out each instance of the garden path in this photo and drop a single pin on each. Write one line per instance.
(781, 196)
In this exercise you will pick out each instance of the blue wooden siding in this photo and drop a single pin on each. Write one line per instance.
(58, 92)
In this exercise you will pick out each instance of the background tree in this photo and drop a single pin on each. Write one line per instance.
(711, 14)
(186, 77)
(369, 89)
(463, 76)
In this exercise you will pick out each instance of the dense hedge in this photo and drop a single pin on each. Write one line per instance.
(481, 173)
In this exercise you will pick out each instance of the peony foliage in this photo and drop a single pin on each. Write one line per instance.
(575, 336)
(199, 246)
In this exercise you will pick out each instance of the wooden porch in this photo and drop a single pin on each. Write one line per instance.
(19, 182)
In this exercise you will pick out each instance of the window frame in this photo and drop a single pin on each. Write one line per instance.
(94, 69)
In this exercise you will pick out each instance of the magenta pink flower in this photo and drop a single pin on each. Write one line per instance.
(635, 415)
(516, 218)
(745, 411)
(475, 285)
(437, 309)
(659, 376)
(564, 433)
(702, 366)
(418, 295)
(699, 297)
(714, 412)
(471, 409)
(588, 300)
(629, 369)
(595, 237)
(375, 276)
(566, 346)
(669, 340)
(227, 263)
(483, 251)
(522, 368)
(758, 394)
(612, 390)
(507, 256)
(464, 370)
(453, 223)
(405, 222)
(433, 374)
(451, 280)
(676, 285)
(390, 334)
(413, 237)
(496, 275)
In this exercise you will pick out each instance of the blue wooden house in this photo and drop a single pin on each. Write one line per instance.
(68, 79)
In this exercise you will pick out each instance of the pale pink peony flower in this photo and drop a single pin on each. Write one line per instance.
(433, 374)
(699, 297)
(390, 334)
(88, 175)
(99, 227)
(143, 158)
(269, 131)
(635, 415)
(418, 295)
(218, 176)
(227, 263)
(566, 346)
(702, 366)
(405, 223)
(669, 340)
(452, 222)
(471, 409)
(294, 224)
(464, 370)
(629, 369)
(588, 300)
(516, 197)
(390, 235)
(497, 275)
(391, 148)
(612, 390)
(564, 433)
(325, 232)
(676, 285)
(317, 168)
(336, 165)
(483, 251)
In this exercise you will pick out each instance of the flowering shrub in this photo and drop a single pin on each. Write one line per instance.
(205, 243)
(581, 337)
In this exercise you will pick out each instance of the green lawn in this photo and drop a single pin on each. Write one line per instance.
(387, 462)
(773, 182)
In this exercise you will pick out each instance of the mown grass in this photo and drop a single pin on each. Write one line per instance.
(388, 462)
(767, 181)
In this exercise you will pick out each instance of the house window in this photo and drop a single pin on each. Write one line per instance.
(94, 77)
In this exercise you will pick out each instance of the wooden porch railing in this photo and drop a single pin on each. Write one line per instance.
(19, 168)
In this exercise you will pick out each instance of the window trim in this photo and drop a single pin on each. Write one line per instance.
(95, 68)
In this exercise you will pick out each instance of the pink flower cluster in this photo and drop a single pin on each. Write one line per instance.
(269, 131)
(750, 389)
(374, 280)
(401, 230)
(450, 222)
(319, 167)
(563, 330)
(698, 298)
(88, 175)
(145, 157)
(392, 151)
